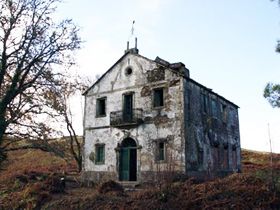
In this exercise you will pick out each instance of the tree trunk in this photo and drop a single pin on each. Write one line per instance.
(76, 152)
(3, 127)
(80, 164)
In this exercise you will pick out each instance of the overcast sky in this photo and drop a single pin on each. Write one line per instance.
(228, 46)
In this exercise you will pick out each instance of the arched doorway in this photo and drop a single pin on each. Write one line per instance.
(128, 160)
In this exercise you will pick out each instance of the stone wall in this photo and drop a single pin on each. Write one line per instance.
(212, 131)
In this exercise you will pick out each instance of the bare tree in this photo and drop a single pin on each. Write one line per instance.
(33, 52)
(73, 86)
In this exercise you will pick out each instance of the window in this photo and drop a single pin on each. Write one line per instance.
(158, 100)
(160, 151)
(128, 107)
(128, 71)
(101, 107)
(99, 154)
(161, 155)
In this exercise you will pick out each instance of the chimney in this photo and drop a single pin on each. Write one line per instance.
(132, 50)
(127, 47)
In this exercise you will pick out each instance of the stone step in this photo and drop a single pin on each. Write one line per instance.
(129, 184)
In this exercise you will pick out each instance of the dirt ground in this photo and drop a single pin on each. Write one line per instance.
(32, 180)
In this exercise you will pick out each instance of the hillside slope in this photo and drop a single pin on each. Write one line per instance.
(31, 180)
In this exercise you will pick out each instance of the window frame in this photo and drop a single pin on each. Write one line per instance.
(97, 159)
(97, 110)
(163, 97)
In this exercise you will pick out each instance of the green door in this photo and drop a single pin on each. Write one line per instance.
(128, 160)
(124, 164)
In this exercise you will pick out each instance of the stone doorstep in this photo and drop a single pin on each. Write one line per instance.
(128, 184)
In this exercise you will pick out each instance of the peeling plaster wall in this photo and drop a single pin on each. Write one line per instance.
(159, 123)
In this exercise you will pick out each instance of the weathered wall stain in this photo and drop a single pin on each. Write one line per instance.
(145, 91)
(157, 74)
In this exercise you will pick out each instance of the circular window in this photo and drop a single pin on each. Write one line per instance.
(128, 71)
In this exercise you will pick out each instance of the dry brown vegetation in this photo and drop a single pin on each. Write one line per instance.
(31, 180)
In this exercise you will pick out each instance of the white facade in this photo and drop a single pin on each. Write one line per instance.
(138, 77)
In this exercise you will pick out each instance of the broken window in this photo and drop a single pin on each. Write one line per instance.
(158, 99)
(101, 107)
(99, 154)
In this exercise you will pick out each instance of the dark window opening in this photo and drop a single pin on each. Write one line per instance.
(127, 107)
(128, 71)
(99, 154)
(158, 97)
(101, 107)
(160, 151)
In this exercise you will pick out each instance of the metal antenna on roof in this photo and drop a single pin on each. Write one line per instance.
(130, 38)
(132, 30)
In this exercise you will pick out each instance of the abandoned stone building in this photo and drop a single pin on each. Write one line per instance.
(146, 116)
